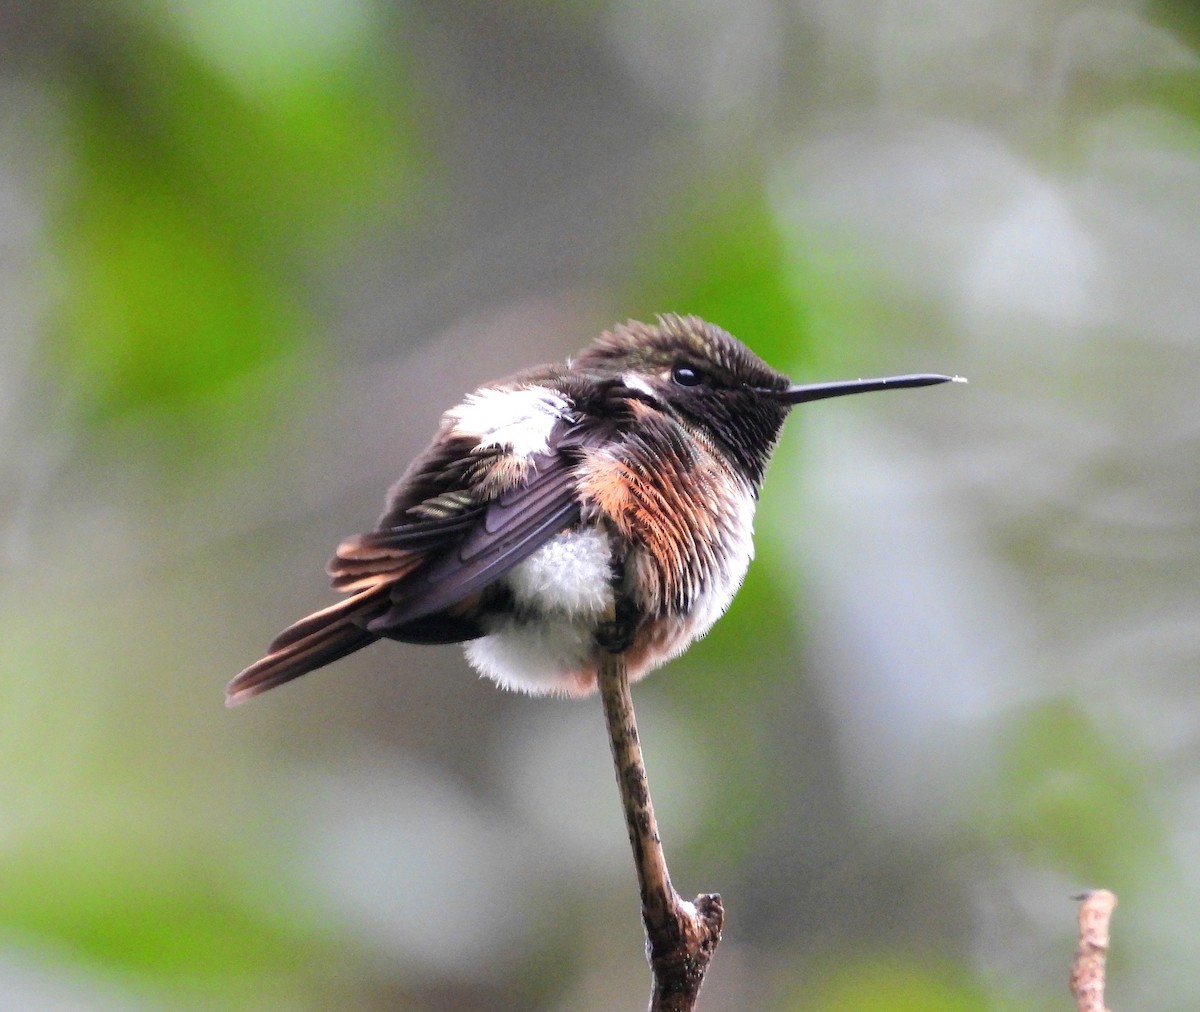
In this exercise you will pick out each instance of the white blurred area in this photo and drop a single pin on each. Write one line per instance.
(1004, 189)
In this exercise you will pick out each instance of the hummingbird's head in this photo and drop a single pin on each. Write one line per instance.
(711, 382)
(701, 375)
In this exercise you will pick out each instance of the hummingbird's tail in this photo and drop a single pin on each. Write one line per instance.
(321, 638)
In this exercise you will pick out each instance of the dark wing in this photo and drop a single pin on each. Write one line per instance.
(430, 555)
(438, 553)
(388, 555)
(511, 528)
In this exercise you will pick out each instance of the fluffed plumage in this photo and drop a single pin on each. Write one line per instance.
(607, 501)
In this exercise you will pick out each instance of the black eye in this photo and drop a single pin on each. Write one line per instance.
(685, 376)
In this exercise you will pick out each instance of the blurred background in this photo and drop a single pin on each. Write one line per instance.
(250, 251)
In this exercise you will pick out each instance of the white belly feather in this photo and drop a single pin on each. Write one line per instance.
(561, 591)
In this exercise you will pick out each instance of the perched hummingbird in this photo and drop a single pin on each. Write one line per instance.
(604, 505)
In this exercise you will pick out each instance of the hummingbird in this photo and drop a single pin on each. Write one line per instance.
(602, 505)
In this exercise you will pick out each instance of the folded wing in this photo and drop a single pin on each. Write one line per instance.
(418, 577)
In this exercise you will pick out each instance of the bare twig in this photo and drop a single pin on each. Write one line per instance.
(1091, 955)
(681, 937)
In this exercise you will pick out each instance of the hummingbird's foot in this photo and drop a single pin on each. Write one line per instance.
(616, 634)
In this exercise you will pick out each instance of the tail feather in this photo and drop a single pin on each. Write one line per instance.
(320, 639)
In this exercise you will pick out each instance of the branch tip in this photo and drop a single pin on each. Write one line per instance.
(1088, 971)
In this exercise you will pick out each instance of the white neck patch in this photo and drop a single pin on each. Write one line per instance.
(635, 382)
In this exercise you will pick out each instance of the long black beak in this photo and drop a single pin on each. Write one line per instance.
(819, 391)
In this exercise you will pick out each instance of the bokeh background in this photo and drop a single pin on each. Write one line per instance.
(248, 253)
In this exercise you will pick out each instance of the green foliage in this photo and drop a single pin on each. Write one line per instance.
(172, 913)
(720, 255)
(1073, 799)
(888, 982)
(197, 195)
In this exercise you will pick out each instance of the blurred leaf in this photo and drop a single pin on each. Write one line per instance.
(718, 253)
(168, 914)
(1074, 798)
(890, 983)
(193, 204)
(160, 308)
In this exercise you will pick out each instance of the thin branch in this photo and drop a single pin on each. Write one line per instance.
(681, 937)
(1091, 954)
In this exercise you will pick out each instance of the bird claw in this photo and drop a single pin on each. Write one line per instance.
(616, 634)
